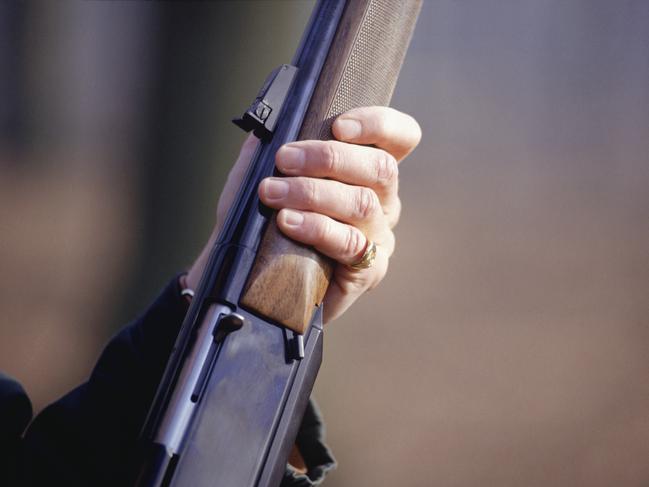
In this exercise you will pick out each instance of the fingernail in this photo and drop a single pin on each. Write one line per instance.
(290, 158)
(292, 218)
(275, 188)
(348, 128)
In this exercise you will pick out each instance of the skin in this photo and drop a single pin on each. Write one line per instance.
(334, 196)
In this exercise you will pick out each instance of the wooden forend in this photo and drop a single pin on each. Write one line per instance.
(287, 282)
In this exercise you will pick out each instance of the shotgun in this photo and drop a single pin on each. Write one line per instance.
(238, 380)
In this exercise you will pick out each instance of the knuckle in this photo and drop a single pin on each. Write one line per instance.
(366, 204)
(387, 170)
(355, 284)
(323, 230)
(353, 244)
(329, 157)
(309, 192)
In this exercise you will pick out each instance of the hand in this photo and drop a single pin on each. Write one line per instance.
(337, 196)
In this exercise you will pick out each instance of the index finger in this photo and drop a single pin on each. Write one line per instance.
(384, 127)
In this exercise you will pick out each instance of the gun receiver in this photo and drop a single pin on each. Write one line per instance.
(237, 383)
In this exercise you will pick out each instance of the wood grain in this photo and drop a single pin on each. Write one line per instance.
(288, 280)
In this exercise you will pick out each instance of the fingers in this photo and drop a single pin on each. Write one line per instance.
(347, 163)
(356, 205)
(384, 127)
(344, 243)
(357, 199)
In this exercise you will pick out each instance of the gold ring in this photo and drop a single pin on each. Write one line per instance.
(367, 260)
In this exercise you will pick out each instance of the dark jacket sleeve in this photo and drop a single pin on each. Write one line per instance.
(316, 455)
(89, 437)
(15, 413)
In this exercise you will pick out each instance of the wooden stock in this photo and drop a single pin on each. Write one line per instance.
(289, 280)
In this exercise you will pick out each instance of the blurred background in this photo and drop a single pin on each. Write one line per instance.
(509, 345)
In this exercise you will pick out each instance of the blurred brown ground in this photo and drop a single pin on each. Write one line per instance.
(508, 345)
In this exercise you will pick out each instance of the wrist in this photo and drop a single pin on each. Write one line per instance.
(186, 290)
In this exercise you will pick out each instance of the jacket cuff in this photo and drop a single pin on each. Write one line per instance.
(317, 456)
